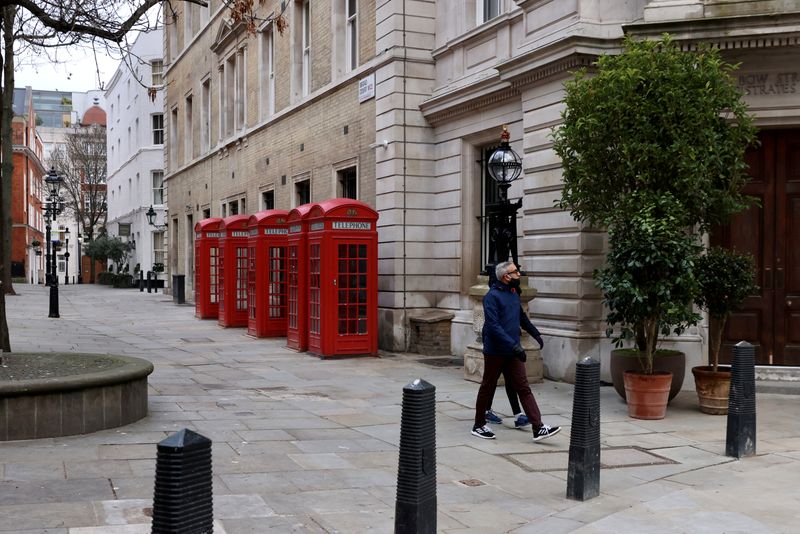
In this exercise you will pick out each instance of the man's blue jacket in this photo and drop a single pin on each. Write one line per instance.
(503, 317)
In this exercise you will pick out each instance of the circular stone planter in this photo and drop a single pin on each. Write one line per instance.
(44, 395)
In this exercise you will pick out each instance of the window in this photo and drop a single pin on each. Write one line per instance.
(158, 247)
(347, 183)
(302, 192)
(487, 10)
(205, 117)
(306, 47)
(241, 89)
(189, 135)
(188, 27)
(352, 34)
(233, 207)
(268, 200)
(157, 71)
(158, 187)
(206, 213)
(224, 209)
(267, 74)
(229, 93)
(173, 138)
(158, 128)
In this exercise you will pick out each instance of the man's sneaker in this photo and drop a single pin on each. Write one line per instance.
(521, 422)
(483, 432)
(545, 432)
(493, 418)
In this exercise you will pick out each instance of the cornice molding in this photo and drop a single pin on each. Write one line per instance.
(735, 32)
(450, 113)
(469, 98)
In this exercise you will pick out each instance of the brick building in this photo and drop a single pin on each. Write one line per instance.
(26, 191)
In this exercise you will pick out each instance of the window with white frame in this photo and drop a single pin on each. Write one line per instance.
(352, 34)
(229, 95)
(487, 10)
(159, 252)
(158, 186)
(267, 73)
(302, 191)
(347, 183)
(158, 128)
(268, 200)
(157, 71)
(205, 116)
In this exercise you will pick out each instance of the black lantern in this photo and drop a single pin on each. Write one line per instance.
(504, 166)
(151, 220)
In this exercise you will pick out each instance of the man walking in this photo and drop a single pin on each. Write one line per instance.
(503, 318)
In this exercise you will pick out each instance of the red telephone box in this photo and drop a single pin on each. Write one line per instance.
(297, 278)
(232, 287)
(342, 278)
(206, 264)
(266, 277)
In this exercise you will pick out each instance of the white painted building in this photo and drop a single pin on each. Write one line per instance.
(135, 154)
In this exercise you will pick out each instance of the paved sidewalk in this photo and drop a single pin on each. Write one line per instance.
(308, 445)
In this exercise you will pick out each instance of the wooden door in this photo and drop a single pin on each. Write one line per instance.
(770, 232)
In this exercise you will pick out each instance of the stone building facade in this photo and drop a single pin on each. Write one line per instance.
(448, 74)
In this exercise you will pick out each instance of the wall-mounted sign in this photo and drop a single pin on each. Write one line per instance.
(351, 225)
(294, 229)
(317, 226)
(239, 233)
(366, 88)
(769, 83)
(276, 231)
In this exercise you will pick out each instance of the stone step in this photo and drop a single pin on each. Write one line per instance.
(778, 380)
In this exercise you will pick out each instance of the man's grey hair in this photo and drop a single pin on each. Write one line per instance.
(502, 269)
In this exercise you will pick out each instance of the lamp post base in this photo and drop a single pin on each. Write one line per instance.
(54, 302)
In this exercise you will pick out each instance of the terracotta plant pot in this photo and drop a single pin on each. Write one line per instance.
(673, 361)
(647, 394)
(713, 388)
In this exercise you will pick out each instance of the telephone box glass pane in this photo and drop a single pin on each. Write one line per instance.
(352, 294)
(293, 279)
(251, 283)
(241, 278)
(313, 288)
(212, 273)
(277, 282)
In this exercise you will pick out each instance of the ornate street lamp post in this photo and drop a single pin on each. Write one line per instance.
(52, 208)
(504, 167)
(66, 257)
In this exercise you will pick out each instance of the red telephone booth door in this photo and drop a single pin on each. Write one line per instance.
(297, 279)
(343, 278)
(233, 247)
(267, 298)
(206, 268)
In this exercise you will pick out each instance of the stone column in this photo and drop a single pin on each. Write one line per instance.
(473, 357)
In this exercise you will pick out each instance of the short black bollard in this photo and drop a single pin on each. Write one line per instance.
(141, 281)
(583, 475)
(183, 500)
(178, 289)
(149, 283)
(54, 301)
(415, 510)
(741, 435)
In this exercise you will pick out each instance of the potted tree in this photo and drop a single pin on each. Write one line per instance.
(652, 146)
(725, 279)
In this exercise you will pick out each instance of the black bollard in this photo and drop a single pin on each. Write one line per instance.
(149, 283)
(178, 288)
(415, 510)
(183, 499)
(54, 301)
(583, 475)
(141, 281)
(741, 435)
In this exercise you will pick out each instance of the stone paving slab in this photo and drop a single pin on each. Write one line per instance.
(302, 444)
